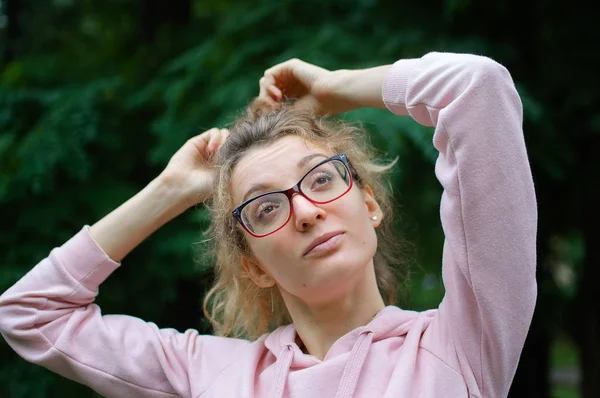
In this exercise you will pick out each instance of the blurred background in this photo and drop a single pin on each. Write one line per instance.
(95, 96)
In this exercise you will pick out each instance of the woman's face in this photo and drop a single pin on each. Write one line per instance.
(282, 256)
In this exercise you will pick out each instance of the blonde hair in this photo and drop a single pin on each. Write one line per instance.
(235, 305)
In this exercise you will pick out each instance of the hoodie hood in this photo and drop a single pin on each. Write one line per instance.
(389, 322)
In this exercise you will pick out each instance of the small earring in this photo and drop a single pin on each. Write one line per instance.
(374, 218)
(267, 280)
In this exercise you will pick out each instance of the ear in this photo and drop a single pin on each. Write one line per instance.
(257, 274)
(373, 208)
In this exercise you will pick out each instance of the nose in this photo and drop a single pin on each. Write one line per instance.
(305, 212)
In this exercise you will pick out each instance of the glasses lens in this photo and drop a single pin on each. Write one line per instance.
(267, 213)
(326, 182)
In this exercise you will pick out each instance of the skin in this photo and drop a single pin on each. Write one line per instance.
(321, 291)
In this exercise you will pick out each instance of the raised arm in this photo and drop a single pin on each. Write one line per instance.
(488, 211)
(488, 207)
(186, 181)
(49, 316)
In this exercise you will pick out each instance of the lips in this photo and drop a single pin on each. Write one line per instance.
(321, 239)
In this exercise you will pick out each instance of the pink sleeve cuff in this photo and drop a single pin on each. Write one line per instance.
(85, 260)
(395, 85)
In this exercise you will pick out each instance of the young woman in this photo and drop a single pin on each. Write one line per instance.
(299, 210)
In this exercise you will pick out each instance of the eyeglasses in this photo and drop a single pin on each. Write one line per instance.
(269, 212)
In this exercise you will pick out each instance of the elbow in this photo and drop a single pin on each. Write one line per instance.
(13, 317)
(486, 68)
(12, 325)
(19, 314)
(5, 314)
(475, 66)
(19, 328)
(482, 76)
(494, 76)
(495, 82)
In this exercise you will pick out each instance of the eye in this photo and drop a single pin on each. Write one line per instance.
(266, 208)
(321, 179)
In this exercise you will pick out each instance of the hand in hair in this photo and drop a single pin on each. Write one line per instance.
(190, 168)
(320, 90)
(298, 81)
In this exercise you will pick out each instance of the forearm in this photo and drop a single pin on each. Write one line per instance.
(124, 228)
(354, 89)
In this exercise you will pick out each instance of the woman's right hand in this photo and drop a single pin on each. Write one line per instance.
(190, 170)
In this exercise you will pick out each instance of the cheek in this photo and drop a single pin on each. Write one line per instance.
(352, 207)
(274, 250)
(369, 241)
(355, 216)
(364, 238)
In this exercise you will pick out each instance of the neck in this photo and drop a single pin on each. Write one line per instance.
(320, 325)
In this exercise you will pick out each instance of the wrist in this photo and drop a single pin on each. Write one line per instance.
(338, 98)
(127, 226)
(354, 89)
(170, 197)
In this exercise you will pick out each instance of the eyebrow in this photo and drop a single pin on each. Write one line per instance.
(301, 163)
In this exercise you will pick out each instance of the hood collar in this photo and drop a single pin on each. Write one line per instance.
(389, 322)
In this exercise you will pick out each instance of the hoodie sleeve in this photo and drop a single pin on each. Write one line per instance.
(488, 211)
(49, 318)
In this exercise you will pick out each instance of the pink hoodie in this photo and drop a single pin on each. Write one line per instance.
(468, 347)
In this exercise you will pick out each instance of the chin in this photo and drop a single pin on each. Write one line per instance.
(338, 269)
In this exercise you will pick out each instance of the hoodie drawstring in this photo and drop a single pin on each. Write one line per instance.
(281, 373)
(350, 375)
(354, 366)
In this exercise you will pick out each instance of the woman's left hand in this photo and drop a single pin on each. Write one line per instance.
(324, 92)
(308, 85)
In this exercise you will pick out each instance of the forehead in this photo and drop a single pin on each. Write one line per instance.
(274, 164)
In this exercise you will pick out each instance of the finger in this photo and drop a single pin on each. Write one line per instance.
(220, 138)
(274, 92)
(276, 80)
(295, 70)
(213, 142)
(280, 84)
(224, 134)
(268, 89)
(201, 140)
(262, 88)
(267, 80)
(266, 100)
(283, 69)
(291, 71)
